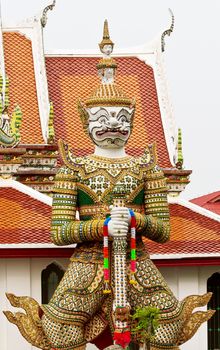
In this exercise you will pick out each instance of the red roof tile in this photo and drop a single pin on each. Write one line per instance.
(70, 78)
(22, 85)
(23, 219)
(210, 202)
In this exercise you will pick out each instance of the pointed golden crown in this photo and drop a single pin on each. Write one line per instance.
(107, 93)
(106, 37)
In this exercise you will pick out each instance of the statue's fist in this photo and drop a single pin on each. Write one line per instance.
(120, 214)
(119, 223)
(117, 228)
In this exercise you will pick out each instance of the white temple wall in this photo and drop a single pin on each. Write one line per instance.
(23, 277)
(20, 277)
(190, 280)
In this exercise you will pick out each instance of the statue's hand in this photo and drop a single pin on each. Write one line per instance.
(121, 214)
(119, 223)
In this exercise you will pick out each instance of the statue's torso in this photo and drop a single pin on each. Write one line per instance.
(97, 177)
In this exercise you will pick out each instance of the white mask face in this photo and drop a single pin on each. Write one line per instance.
(110, 127)
(107, 49)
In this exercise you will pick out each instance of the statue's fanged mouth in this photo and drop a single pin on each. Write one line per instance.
(112, 132)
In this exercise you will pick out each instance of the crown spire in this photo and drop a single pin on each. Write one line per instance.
(107, 65)
(105, 30)
(106, 37)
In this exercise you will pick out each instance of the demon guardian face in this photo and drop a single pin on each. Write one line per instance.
(110, 127)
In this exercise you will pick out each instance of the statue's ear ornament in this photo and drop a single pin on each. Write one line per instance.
(133, 103)
(132, 113)
(84, 115)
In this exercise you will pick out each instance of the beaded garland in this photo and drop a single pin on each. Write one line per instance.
(133, 245)
(106, 256)
(122, 334)
(106, 251)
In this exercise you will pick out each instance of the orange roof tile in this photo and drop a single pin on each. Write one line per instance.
(22, 85)
(23, 219)
(210, 202)
(191, 233)
(70, 78)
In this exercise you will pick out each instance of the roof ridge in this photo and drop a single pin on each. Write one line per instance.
(194, 207)
(206, 197)
(4, 183)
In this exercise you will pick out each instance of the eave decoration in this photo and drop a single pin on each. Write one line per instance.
(9, 127)
(44, 14)
(168, 31)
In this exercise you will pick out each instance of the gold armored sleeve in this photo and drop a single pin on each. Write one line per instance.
(65, 229)
(155, 224)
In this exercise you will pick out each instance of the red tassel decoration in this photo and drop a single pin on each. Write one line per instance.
(123, 339)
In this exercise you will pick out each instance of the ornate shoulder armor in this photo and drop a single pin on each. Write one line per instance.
(71, 161)
(148, 159)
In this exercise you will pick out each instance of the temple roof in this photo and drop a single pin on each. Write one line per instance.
(19, 66)
(210, 202)
(25, 223)
(68, 77)
(72, 77)
(25, 215)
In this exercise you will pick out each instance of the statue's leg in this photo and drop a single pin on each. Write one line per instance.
(63, 336)
(152, 290)
(78, 297)
(178, 321)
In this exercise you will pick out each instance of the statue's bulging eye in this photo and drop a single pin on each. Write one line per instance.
(102, 119)
(123, 119)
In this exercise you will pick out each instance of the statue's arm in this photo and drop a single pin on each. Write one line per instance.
(155, 224)
(65, 229)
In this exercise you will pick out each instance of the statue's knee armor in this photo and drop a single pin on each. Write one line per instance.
(63, 336)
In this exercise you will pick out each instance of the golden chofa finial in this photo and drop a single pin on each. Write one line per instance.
(106, 41)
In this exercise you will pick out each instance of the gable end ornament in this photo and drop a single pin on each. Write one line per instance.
(44, 14)
(167, 31)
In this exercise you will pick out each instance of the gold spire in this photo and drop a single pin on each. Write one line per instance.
(106, 47)
(106, 37)
(105, 30)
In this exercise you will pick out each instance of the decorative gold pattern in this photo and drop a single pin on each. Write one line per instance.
(109, 95)
(192, 321)
(112, 169)
(29, 324)
(95, 327)
(99, 210)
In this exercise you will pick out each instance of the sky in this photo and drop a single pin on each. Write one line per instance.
(192, 59)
